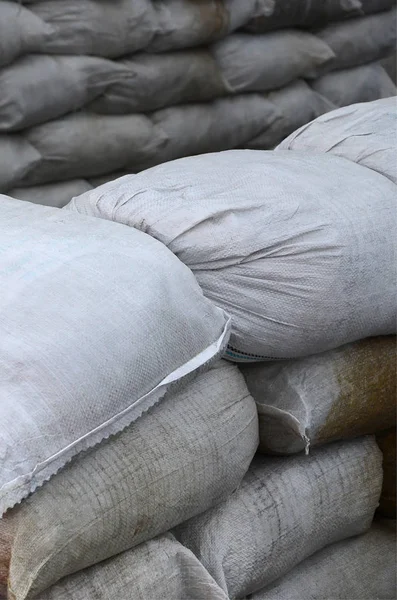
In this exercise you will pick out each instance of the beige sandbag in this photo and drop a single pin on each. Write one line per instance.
(187, 454)
(341, 393)
(359, 84)
(387, 443)
(160, 568)
(364, 133)
(285, 510)
(361, 568)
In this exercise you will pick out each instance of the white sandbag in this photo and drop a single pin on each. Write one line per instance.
(187, 454)
(161, 568)
(285, 510)
(18, 157)
(341, 393)
(158, 80)
(298, 13)
(298, 105)
(85, 144)
(361, 84)
(52, 194)
(73, 279)
(38, 88)
(362, 568)
(251, 63)
(302, 262)
(359, 41)
(364, 133)
(21, 31)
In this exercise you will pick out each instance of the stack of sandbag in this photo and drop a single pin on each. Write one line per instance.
(113, 395)
(92, 88)
(300, 249)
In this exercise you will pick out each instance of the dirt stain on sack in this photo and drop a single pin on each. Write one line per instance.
(387, 443)
(8, 528)
(366, 374)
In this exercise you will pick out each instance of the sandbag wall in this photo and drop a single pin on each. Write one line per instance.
(97, 88)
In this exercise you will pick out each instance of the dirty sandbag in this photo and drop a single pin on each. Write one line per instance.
(255, 63)
(359, 41)
(267, 235)
(187, 454)
(364, 133)
(285, 510)
(370, 574)
(298, 104)
(160, 568)
(387, 443)
(107, 371)
(360, 84)
(342, 393)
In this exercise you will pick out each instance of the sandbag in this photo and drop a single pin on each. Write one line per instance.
(387, 443)
(71, 278)
(161, 568)
(268, 238)
(21, 31)
(304, 13)
(251, 63)
(363, 133)
(52, 194)
(360, 568)
(285, 510)
(18, 157)
(187, 454)
(298, 105)
(359, 41)
(38, 88)
(361, 84)
(342, 393)
(158, 80)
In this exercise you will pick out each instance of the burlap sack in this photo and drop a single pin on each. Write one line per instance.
(187, 454)
(342, 393)
(285, 510)
(361, 568)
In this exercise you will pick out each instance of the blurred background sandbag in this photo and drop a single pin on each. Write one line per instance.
(361, 567)
(387, 443)
(184, 456)
(285, 510)
(124, 67)
(343, 393)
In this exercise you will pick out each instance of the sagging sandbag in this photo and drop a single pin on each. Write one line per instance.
(363, 133)
(304, 13)
(285, 510)
(273, 242)
(362, 567)
(359, 41)
(126, 335)
(160, 568)
(187, 454)
(298, 104)
(342, 393)
(52, 194)
(360, 84)
(387, 443)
